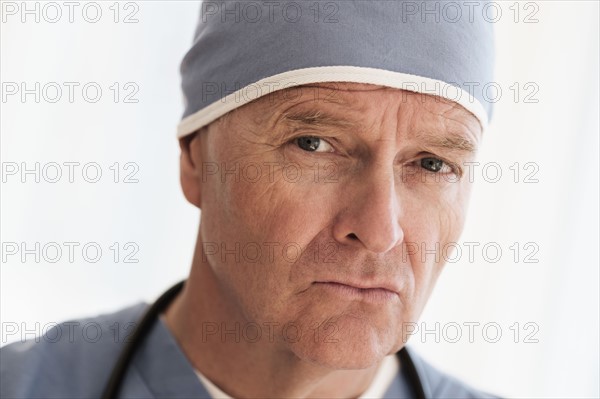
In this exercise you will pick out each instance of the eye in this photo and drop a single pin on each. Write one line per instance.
(435, 165)
(313, 144)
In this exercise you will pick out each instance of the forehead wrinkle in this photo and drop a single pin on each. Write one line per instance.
(463, 117)
(345, 99)
(308, 116)
(466, 124)
(442, 136)
(450, 127)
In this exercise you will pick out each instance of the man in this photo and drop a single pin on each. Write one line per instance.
(321, 159)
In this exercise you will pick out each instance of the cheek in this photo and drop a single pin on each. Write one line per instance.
(432, 222)
(434, 214)
(453, 207)
(278, 207)
(267, 222)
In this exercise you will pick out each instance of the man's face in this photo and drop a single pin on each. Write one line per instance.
(329, 241)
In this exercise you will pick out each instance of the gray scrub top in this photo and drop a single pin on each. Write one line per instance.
(75, 358)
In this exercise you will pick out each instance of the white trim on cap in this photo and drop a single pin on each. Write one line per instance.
(297, 77)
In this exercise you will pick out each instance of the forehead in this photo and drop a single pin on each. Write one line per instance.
(330, 102)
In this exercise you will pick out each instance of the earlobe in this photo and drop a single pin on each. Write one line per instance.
(190, 170)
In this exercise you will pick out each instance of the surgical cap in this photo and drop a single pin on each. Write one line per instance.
(243, 50)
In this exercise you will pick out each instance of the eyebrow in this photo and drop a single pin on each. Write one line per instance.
(317, 118)
(450, 141)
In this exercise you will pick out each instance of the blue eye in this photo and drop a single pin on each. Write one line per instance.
(434, 165)
(313, 144)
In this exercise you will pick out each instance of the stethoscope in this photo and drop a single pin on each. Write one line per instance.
(149, 318)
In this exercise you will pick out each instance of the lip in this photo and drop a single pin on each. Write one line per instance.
(371, 293)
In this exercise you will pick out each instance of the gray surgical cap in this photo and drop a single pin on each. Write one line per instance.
(244, 50)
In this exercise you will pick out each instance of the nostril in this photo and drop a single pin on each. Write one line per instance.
(353, 236)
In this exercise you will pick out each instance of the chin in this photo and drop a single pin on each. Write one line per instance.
(347, 343)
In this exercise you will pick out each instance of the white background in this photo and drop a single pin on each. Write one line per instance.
(559, 294)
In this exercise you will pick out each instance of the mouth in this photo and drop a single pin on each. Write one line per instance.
(348, 291)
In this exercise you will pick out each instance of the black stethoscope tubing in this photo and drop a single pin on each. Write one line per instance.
(117, 375)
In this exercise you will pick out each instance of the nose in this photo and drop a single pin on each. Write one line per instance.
(371, 211)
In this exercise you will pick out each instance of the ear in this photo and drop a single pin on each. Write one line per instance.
(190, 167)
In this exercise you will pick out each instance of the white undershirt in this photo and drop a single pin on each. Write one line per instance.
(383, 379)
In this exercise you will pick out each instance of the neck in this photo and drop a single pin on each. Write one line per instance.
(212, 334)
